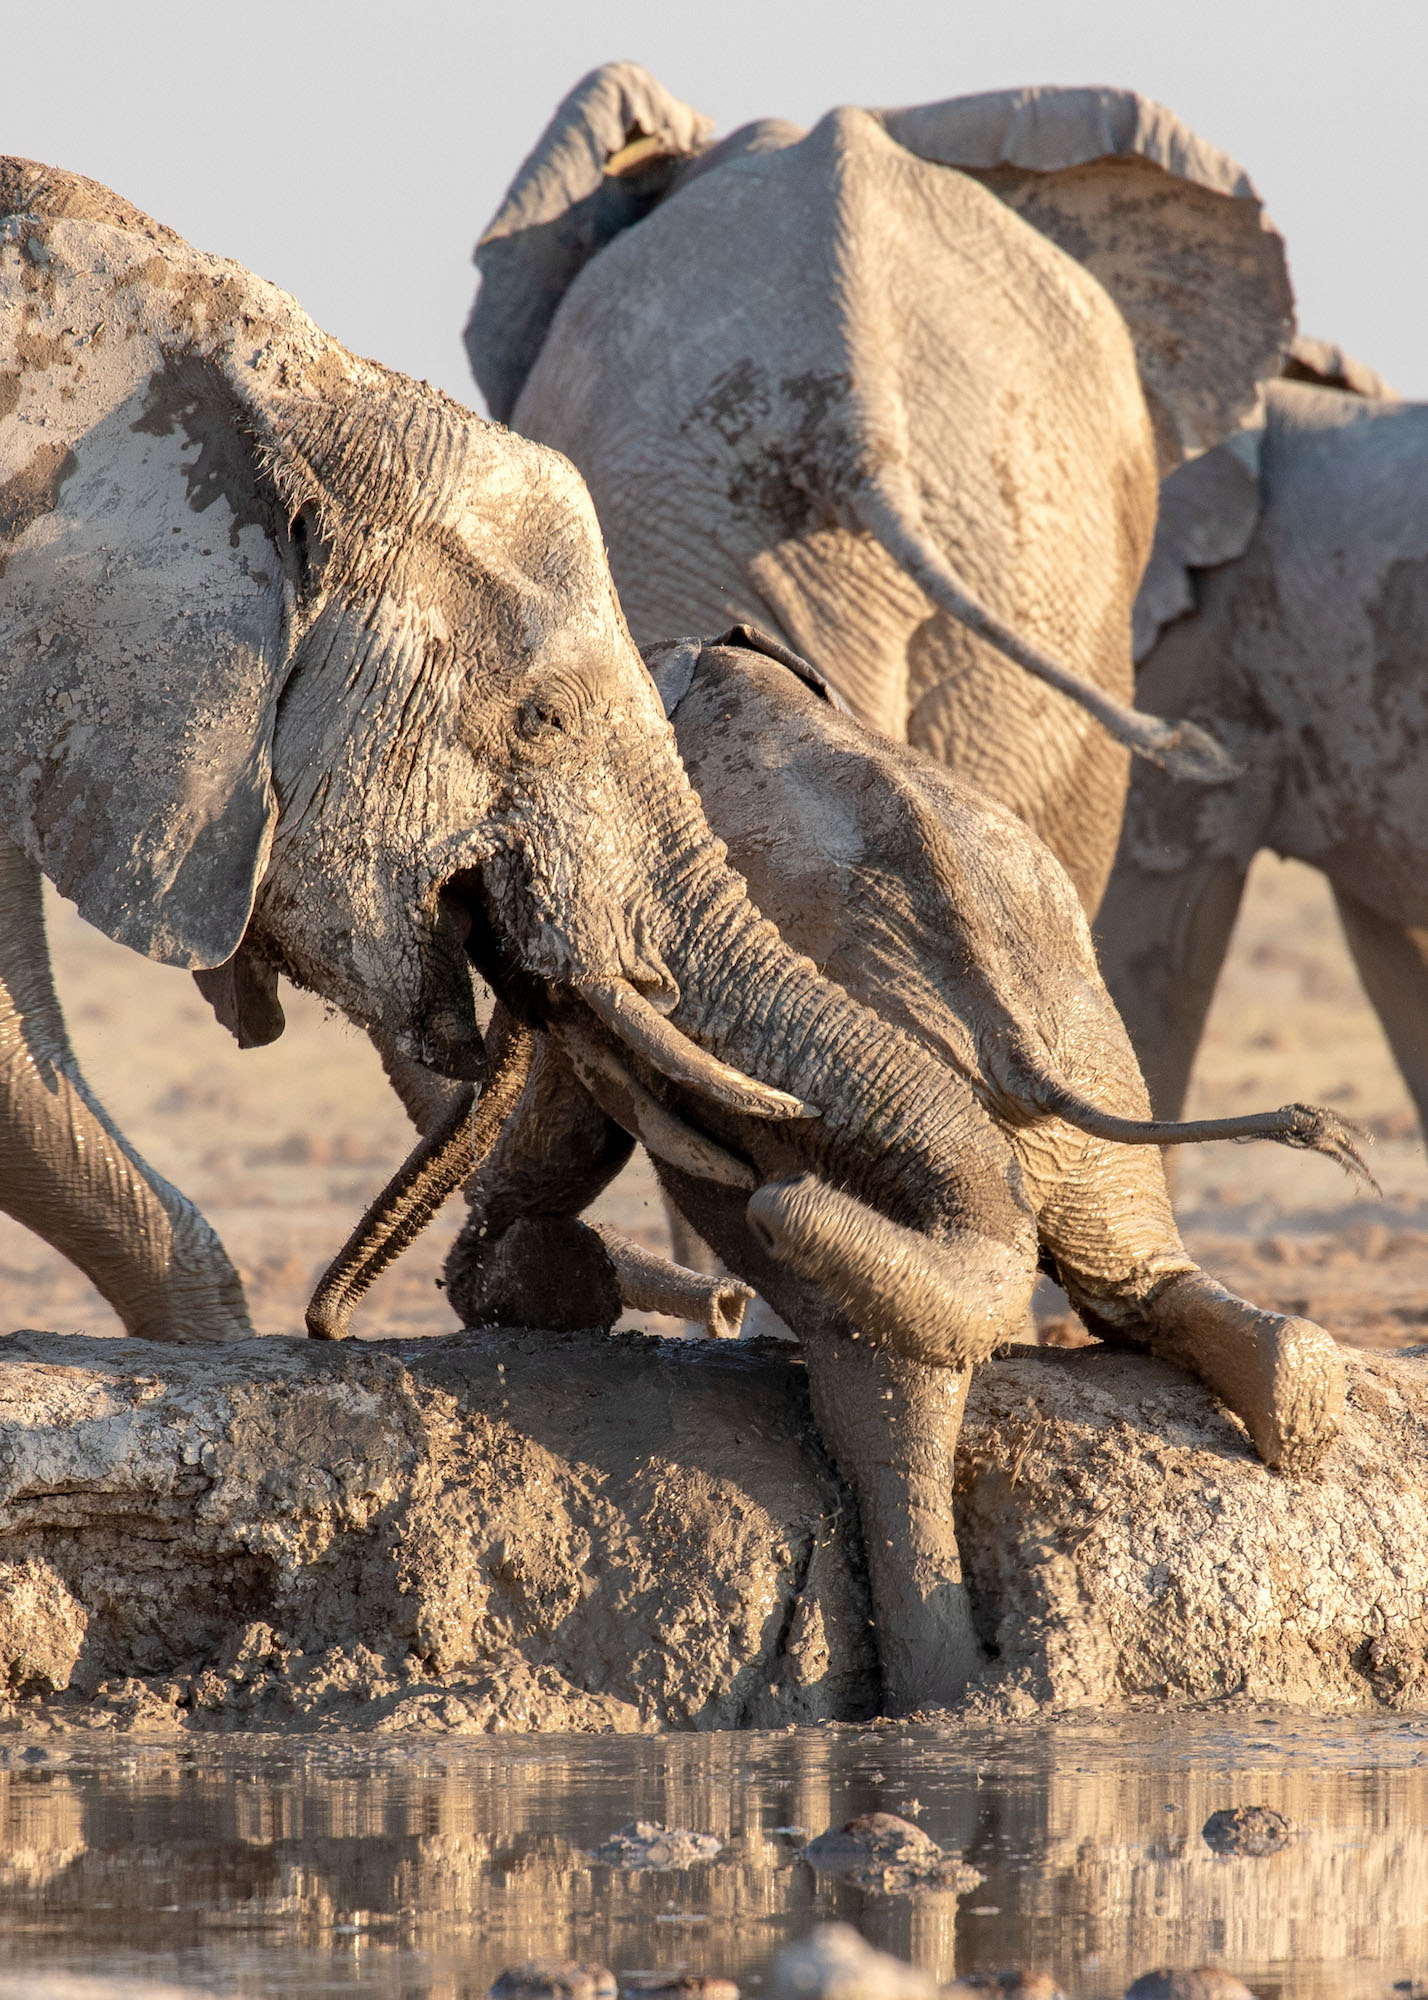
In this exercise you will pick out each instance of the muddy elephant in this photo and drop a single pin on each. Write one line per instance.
(1286, 606)
(939, 910)
(306, 670)
(898, 390)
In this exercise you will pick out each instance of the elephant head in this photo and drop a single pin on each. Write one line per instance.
(291, 642)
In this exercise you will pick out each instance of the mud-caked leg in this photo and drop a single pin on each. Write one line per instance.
(523, 1257)
(891, 1427)
(69, 1175)
(1105, 1217)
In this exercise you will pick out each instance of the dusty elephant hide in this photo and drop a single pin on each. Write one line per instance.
(506, 1531)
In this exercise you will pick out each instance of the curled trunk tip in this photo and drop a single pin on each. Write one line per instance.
(946, 1304)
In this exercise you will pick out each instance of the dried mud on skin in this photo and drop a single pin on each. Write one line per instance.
(519, 1531)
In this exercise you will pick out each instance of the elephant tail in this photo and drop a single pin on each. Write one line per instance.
(1309, 1128)
(1181, 749)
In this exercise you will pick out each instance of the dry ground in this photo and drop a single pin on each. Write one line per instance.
(283, 1147)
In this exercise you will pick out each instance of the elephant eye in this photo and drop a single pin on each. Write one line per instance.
(539, 716)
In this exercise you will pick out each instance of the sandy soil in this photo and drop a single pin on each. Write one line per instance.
(282, 1147)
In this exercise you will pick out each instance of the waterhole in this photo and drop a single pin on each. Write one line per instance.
(420, 1870)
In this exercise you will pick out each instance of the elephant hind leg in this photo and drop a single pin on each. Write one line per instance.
(1392, 961)
(1282, 1376)
(1108, 1226)
(69, 1175)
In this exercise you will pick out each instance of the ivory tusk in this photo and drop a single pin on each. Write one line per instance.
(645, 1119)
(630, 1017)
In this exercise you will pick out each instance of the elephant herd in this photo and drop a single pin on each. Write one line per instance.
(861, 434)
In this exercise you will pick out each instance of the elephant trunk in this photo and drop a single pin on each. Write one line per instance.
(946, 1304)
(890, 1122)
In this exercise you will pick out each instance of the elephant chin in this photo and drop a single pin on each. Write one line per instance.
(945, 1303)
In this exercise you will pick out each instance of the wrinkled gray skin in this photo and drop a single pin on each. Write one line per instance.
(1287, 608)
(900, 381)
(939, 909)
(307, 669)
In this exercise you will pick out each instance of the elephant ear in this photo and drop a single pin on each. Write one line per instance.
(1208, 512)
(610, 154)
(1328, 367)
(148, 574)
(1173, 230)
(1209, 508)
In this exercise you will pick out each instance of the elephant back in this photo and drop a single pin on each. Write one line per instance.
(1174, 229)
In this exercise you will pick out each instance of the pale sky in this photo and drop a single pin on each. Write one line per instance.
(352, 152)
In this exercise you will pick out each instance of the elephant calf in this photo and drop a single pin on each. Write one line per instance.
(938, 909)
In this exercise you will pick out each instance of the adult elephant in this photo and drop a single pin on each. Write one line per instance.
(897, 389)
(1286, 605)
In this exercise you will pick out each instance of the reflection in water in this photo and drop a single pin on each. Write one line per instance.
(420, 1871)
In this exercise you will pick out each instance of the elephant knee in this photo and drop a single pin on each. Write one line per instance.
(543, 1271)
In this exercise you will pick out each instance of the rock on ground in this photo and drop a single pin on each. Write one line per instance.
(511, 1530)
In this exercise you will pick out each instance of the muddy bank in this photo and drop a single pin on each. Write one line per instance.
(520, 1531)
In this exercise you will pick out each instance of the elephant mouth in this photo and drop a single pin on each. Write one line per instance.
(628, 1011)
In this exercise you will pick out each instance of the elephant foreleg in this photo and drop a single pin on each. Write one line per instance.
(1162, 940)
(1392, 959)
(68, 1174)
(523, 1257)
(891, 1427)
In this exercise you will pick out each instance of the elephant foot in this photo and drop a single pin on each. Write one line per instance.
(891, 1427)
(545, 1270)
(1283, 1377)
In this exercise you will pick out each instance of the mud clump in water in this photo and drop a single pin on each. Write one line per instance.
(553, 1979)
(834, 1963)
(644, 1843)
(1247, 1830)
(677, 1986)
(1205, 1982)
(888, 1856)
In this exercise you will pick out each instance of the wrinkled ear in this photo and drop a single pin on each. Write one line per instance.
(608, 156)
(146, 567)
(243, 993)
(1173, 229)
(1208, 512)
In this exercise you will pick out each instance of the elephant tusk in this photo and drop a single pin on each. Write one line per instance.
(945, 1304)
(645, 1118)
(631, 1018)
(432, 1171)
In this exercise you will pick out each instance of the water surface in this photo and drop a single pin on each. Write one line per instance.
(418, 1870)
